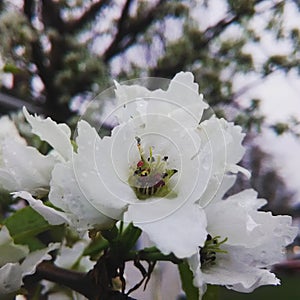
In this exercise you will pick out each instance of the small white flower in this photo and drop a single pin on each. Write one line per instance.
(11, 271)
(242, 244)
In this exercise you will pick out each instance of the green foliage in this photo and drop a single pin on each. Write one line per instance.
(26, 227)
(212, 293)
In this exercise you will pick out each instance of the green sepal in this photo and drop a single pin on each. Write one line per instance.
(95, 248)
(186, 276)
(129, 237)
(110, 234)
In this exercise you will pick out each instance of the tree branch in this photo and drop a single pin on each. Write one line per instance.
(207, 36)
(28, 8)
(87, 16)
(77, 281)
(131, 29)
(36, 48)
(51, 15)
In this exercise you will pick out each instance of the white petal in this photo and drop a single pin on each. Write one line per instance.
(235, 169)
(235, 275)
(7, 181)
(10, 278)
(255, 228)
(51, 215)
(10, 252)
(181, 101)
(100, 172)
(131, 101)
(11, 274)
(217, 186)
(221, 144)
(69, 194)
(68, 256)
(29, 169)
(34, 258)
(56, 135)
(184, 92)
(9, 129)
(234, 137)
(176, 232)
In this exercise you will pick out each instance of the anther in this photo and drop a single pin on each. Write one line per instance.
(138, 139)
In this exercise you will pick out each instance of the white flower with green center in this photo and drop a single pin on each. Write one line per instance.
(242, 244)
(138, 174)
(11, 270)
(153, 170)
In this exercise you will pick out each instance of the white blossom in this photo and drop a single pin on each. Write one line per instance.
(251, 242)
(154, 125)
(154, 169)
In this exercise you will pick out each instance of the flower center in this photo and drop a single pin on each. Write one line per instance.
(150, 177)
(208, 253)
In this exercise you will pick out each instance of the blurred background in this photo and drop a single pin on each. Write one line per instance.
(55, 56)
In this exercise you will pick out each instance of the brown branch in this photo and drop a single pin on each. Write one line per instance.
(131, 29)
(38, 56)
(121, 23)
(77, 281)
(87, 16)
(51, 15)
(74, 280)
(28, 8)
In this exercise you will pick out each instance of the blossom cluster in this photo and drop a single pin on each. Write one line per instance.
(165, 168)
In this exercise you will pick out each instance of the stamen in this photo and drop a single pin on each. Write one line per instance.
(150, 177)
(208, 253)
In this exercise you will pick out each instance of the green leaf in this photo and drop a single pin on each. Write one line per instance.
(186, 276)
(24, 226)
(212, 293)
(11, 68)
